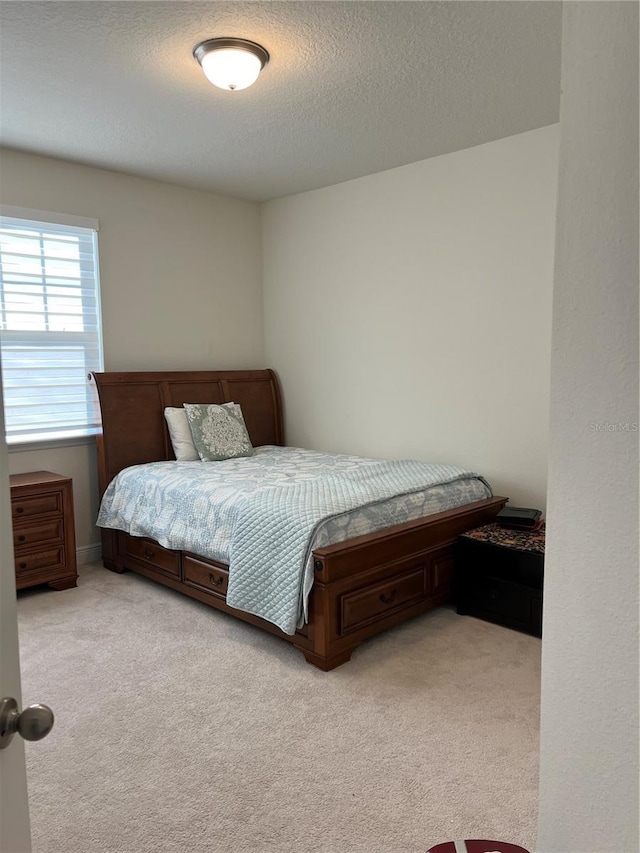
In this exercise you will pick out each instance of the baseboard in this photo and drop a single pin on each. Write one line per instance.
(88, 554)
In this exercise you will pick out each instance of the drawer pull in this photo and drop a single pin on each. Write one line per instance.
(19, 510)
(214, 581)
(387, 599)
(23, 565)
(149, 553)
(21, 538)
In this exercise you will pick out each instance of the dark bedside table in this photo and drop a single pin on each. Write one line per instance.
(44, 538)
(499, 575)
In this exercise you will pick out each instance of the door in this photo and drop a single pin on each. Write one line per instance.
(15, 833)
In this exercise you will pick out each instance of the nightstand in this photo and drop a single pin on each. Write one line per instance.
(499, 576)
(44, 539)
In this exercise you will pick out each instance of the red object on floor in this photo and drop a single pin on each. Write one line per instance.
(477, 846)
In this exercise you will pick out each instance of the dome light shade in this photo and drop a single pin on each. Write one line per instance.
(231, 63)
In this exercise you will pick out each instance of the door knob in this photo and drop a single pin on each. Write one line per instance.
(34, 723)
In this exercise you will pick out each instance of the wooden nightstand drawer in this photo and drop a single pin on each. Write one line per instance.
(38, 533)
(37, 561)
(27, 506)
(207, 576)
(159, 558)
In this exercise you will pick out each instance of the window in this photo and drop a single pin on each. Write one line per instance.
(50, 335)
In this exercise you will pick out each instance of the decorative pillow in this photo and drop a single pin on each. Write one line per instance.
(218, 432)
(183, 447)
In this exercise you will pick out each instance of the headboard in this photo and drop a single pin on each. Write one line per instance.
(131, 406)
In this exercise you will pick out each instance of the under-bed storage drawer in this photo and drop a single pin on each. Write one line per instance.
(374, 602)
(209, 576)
(155, 556)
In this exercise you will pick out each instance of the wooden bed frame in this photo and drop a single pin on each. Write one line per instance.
(361, 587)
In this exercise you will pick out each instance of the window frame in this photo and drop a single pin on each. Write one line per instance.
(83, 435)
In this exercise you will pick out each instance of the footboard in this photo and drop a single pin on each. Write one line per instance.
(371, 583)
(361, 587)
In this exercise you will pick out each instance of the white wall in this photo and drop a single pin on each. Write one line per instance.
(408, 313)
(180, 276)
(589, 737)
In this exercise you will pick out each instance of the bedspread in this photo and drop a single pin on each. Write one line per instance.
(264, 514)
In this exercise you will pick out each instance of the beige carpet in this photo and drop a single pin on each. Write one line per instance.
(181, 729)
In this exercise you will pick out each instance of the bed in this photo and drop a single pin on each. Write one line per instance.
(360, 586)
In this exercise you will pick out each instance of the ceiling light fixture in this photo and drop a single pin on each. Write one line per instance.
(231, 63)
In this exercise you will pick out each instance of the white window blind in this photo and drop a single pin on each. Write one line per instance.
(50, 332)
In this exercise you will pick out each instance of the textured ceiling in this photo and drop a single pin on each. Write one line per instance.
(352, 88)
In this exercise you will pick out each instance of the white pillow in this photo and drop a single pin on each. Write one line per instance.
(180, 433)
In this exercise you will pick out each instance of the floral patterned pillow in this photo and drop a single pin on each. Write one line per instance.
(218, 432)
